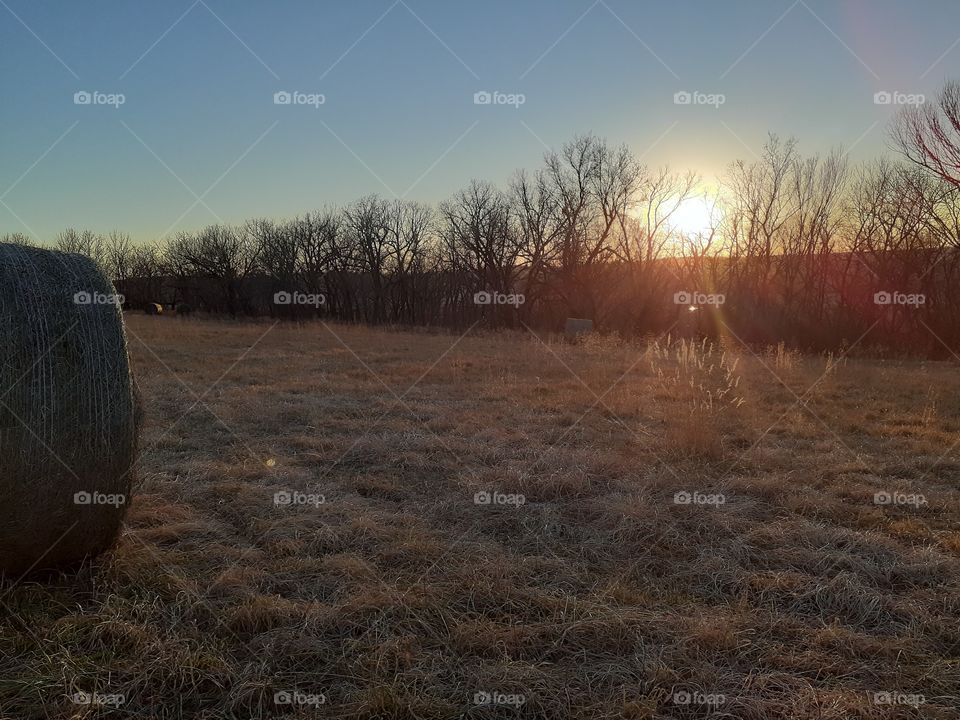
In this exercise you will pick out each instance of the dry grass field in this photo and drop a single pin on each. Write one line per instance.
(673, 531)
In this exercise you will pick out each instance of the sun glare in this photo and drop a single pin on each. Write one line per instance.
(695, 216)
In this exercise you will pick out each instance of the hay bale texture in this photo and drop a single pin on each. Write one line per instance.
(68, 424)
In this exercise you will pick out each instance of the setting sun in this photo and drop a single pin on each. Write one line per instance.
(695, 216)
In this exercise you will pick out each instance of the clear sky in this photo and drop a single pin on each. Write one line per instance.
(398, 81)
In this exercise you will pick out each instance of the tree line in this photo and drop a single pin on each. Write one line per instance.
(807, 250)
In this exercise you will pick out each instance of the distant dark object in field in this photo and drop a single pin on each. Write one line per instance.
(153, 309)
(184, 308)
(68, 417)
(576, 328)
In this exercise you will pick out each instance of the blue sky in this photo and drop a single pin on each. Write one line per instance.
(398, 79)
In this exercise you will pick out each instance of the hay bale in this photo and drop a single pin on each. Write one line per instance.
(153, 309)
(68, 419)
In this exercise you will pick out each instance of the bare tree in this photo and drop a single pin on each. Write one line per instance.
(660, 196)
(84, 242)
(759, 204)
(277, 252)
(147, 271)
(536, 210)
(17, 238)
(366, 223)
(810, 236)
(929, 134)
(648, 243)
(481, 245)
(408, 239)
(118, 256)
(219, 253)
(595, 186)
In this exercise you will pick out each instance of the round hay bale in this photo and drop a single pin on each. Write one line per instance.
(68, 418)
(153, 309)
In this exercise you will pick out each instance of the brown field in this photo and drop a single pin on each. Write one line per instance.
(600, 596)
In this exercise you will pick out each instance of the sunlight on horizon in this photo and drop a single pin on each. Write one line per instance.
(695, 216)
